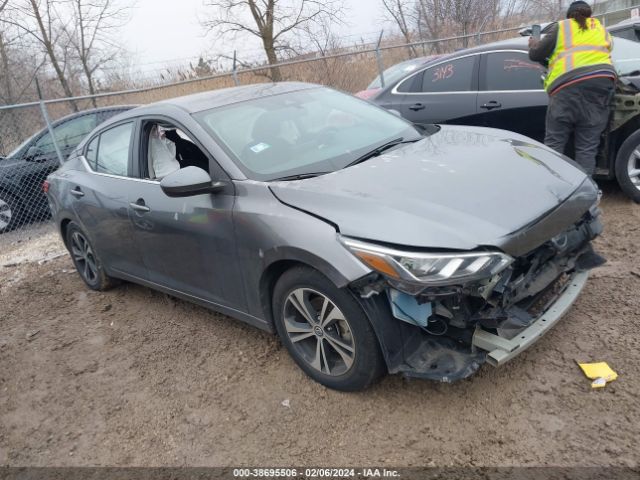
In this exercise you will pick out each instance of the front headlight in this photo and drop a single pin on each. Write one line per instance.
(429, 268)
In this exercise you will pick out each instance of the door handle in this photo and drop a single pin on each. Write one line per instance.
(140, 206)
(76, 192)
(491, 105)
(417, 106)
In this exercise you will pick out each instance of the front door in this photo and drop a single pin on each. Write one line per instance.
(443, 93)
(188, 244)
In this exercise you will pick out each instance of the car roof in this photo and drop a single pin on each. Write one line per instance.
(226, 96)
(122, 108)
(624, 23)
(518, 43)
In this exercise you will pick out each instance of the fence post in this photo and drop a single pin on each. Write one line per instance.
(235, 69)
(480, 31)
(45, 115)
(379, 60)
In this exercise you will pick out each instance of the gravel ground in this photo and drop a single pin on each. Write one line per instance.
(132, 377)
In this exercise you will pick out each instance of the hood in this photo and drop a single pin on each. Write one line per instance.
(460, 188)
(7, 162)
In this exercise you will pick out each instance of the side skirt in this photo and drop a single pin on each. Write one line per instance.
(230, 312)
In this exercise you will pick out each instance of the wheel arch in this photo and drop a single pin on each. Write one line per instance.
(64, 224)
(280, 262)
(621, 136)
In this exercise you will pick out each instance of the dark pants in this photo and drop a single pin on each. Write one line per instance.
(582, 109)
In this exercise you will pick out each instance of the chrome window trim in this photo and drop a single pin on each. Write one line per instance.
(109, 175)
(395, 91)
(513, 91)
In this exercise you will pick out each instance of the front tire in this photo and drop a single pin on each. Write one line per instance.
(86, 260)
(326, 331)
(628, 166)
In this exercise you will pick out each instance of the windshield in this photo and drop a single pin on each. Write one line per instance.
(15, 151)
(626, 56)
(396, 72)
(304, 132)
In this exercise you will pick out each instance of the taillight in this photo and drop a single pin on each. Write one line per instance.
(45, 186)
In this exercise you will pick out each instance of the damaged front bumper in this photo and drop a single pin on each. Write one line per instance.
(446, 333)
(500, 350)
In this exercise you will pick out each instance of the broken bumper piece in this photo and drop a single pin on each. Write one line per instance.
(500, 350)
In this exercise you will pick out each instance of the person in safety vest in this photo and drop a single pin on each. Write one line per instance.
(580, 82)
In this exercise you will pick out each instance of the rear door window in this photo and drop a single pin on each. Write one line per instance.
(109, 152)
(512, 71)
(454, 76)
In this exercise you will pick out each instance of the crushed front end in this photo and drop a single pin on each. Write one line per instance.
(440, 316)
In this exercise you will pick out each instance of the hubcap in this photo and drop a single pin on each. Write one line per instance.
(5, 214)
(319, 331)
(83, 257)
(633, 168)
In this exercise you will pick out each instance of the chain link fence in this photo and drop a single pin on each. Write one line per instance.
(31, 148)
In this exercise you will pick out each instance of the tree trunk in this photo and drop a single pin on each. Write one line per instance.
(4, 58)
(52, 55)
(272, 58)
(89, 75)
(7, 144)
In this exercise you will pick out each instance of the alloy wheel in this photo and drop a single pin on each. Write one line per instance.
(319, 332)
(84, 258)
(5, 214)
(633, 168)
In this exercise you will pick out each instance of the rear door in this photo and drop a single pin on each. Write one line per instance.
(101, 198)
(443, 93)
(511, 93)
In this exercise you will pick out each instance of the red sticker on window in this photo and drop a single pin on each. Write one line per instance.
(514, 64)
(443, 72)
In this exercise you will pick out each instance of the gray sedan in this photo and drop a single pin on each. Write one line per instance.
(369, 245)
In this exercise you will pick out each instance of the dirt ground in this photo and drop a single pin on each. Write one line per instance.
(132, 377)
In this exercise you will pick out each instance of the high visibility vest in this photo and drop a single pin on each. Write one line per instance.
(577, 48)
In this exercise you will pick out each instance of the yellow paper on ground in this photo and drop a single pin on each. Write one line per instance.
(597, 371)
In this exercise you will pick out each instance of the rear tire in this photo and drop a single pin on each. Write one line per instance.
(326, 331)
(86, 260)
(627, 166)
(9, 212)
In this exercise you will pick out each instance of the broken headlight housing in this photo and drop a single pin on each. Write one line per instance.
(431, 269)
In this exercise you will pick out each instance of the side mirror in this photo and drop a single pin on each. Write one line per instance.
(188, 182)
(34, 154)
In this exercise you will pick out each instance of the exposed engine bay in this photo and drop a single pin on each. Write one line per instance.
(439, 323)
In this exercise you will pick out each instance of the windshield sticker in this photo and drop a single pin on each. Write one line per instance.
(260, 147)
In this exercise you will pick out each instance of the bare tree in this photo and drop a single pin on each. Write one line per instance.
(18, 62)
(432, 17)
(441, 18)
(471, 16)
(400, 12)
(91, 35)
(548, 9)
(274, 22)
(40, 19)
